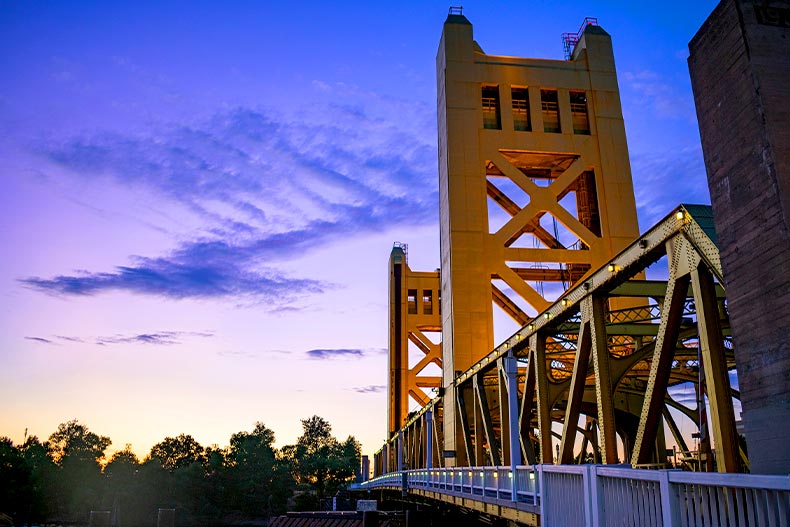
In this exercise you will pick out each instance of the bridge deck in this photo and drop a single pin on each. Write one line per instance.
(600, 495)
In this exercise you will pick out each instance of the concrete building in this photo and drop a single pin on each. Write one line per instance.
(740, 73)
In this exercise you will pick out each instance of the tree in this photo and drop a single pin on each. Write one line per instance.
(257, 479)
(122, 464)
(14, 481)
(77, 452)
(74, 440)
(177, 452)
(319, 460)
(42, 476)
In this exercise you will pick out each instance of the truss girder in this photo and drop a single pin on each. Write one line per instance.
(579, 359)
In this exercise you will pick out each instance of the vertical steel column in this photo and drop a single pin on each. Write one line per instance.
(429, 438)
(715, 364)
(525, 417)
(511, 370)
(537, 345)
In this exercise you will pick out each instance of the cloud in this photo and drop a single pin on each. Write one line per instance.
(665, 178)
(160, 338)
(69, 339)
(41, 340)
(263, 188)
(652, 91)
(184, 276)
(373, 388)
(322, 354)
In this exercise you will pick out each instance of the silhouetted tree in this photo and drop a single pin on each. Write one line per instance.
(259, 482)
(177, 452)
(15, 487)
(77, 452)
(319, 460)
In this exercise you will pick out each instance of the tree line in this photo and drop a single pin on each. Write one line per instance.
(65, 477)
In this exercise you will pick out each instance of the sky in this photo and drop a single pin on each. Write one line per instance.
(198, 199)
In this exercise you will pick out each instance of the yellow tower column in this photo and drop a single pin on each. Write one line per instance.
(510, 127)
(414, 315)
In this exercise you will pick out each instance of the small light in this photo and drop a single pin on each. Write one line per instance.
(496, 475)
(565, 302)
(547, 315)
(531, 326)
(531, 475)
(520, 336)
(679, 215)
(510, 474)
(470, 473)
(611, 268)
(507, 345)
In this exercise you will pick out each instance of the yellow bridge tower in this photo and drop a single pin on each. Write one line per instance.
(535, 186)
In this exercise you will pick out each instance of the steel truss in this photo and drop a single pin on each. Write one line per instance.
(584, 381)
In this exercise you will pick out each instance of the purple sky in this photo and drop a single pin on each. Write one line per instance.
(199, 199)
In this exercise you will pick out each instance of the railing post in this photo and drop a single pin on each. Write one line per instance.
(539, 494)
(669, 505)
(593, 500)
(429, 439)
(511, 370)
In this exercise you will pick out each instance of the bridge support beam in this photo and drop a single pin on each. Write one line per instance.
(511, 371)
(717, 379)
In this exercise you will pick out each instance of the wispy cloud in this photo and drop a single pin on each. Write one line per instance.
(373, 388)
(655, 93)
(323, 354)
(664, 178)
(160, 338)
(337, 353)
(42, 340)
(267, 188)
(183, 276)
(69, 339)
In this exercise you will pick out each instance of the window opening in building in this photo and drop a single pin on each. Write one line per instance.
(581, 122)
(491, 117)
(427, 302)
(521, 109)
(412, 301)
(551, 111)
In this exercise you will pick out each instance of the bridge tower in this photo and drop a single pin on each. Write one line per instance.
(415, 319)
(535, 187)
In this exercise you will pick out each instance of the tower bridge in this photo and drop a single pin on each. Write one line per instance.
(554, 424)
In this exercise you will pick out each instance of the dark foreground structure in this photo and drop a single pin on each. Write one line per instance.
(740, 73)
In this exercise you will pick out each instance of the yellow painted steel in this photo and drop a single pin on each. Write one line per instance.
(544, 141)
(678, 326)
(414, 315)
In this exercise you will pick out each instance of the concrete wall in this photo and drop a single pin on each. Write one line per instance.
(740, 73)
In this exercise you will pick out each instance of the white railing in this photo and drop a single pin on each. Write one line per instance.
(484, 482)
(599, 495)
